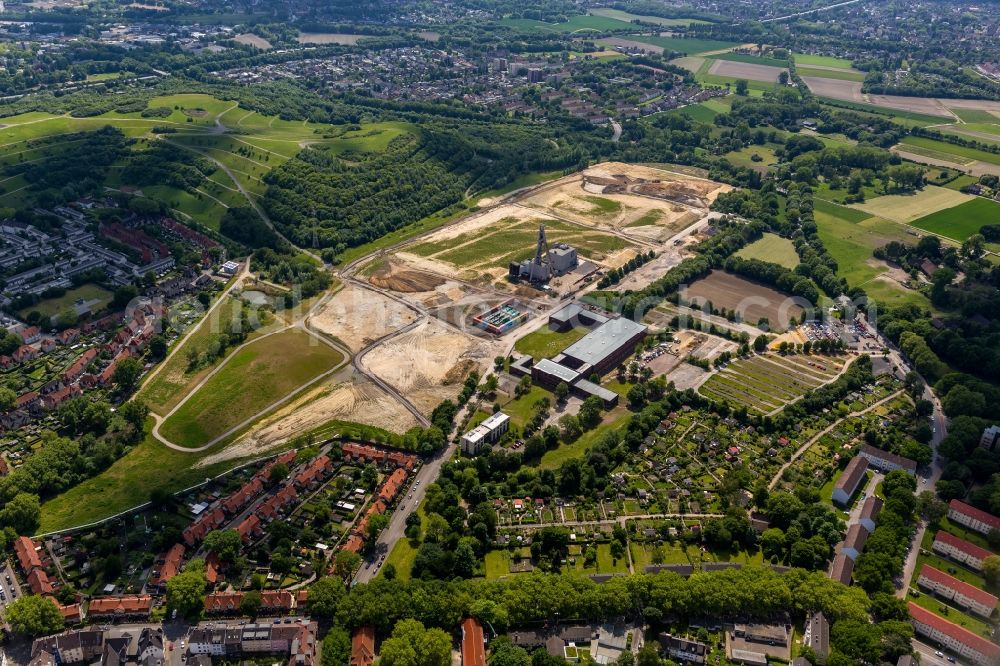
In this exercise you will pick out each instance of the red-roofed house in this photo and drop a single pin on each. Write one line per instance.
(363, 646)
(958, 639)
(842, 569)
(971, 517)
(79, 366)
(69, 336)
(960, 550)
(59, 396)
(26, 400)
(39, 582)
(197, 530)
(276, 600)
(132, 606)
(27, 555)
(315, 471)
(242, 497)
(249, 528)
(268, 510)
(223, 602)
(167, 565)
(473, 643)
(390, 489)
(964, 595)
(71, 613)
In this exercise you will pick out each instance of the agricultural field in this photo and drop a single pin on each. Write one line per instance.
(811, 59)
(949, 151)
(837, 74)
(745, 70)
(92, 295)
(850, 236)
(906, 208)
(620, 15)
(689, 46)
(962, 221)
(768, 382)
(751, 59)
(575, 24)
(772, 248)
(750, 300)
(324, 38)
(274, 366)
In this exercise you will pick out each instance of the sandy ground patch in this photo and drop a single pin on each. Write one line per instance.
(908, 207)
(648, 203)
(357, 316)
(356, 400)
(328, 38)
(428, 363)
(398, 277)
(251, 39)
(746, 70)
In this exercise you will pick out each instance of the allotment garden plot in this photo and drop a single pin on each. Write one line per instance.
(767, 382)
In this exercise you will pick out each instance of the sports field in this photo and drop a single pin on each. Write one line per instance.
(961, 221)
(772, 248)
(906, 208)
(251, 380)
(767, 382)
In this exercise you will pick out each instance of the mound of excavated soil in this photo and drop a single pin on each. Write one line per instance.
(405, 280)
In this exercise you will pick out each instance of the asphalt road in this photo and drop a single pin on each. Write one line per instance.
(396, 528)
(11, 590)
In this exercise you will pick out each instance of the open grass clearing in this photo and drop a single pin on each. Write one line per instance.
(977, 116)
(821, 60)
(94, 296)
(962, 221)
(554, 458)
(772, 248)
(906, 208)
(850, 236)
(744, 157)
(127, 483)
(837, 74)
(545, 343)
(252, 379)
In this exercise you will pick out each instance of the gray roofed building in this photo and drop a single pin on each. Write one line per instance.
(818, 635)
(683, 650)
(548, 372)
(606, 346)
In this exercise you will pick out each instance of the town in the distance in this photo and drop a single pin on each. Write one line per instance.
(483, 333)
